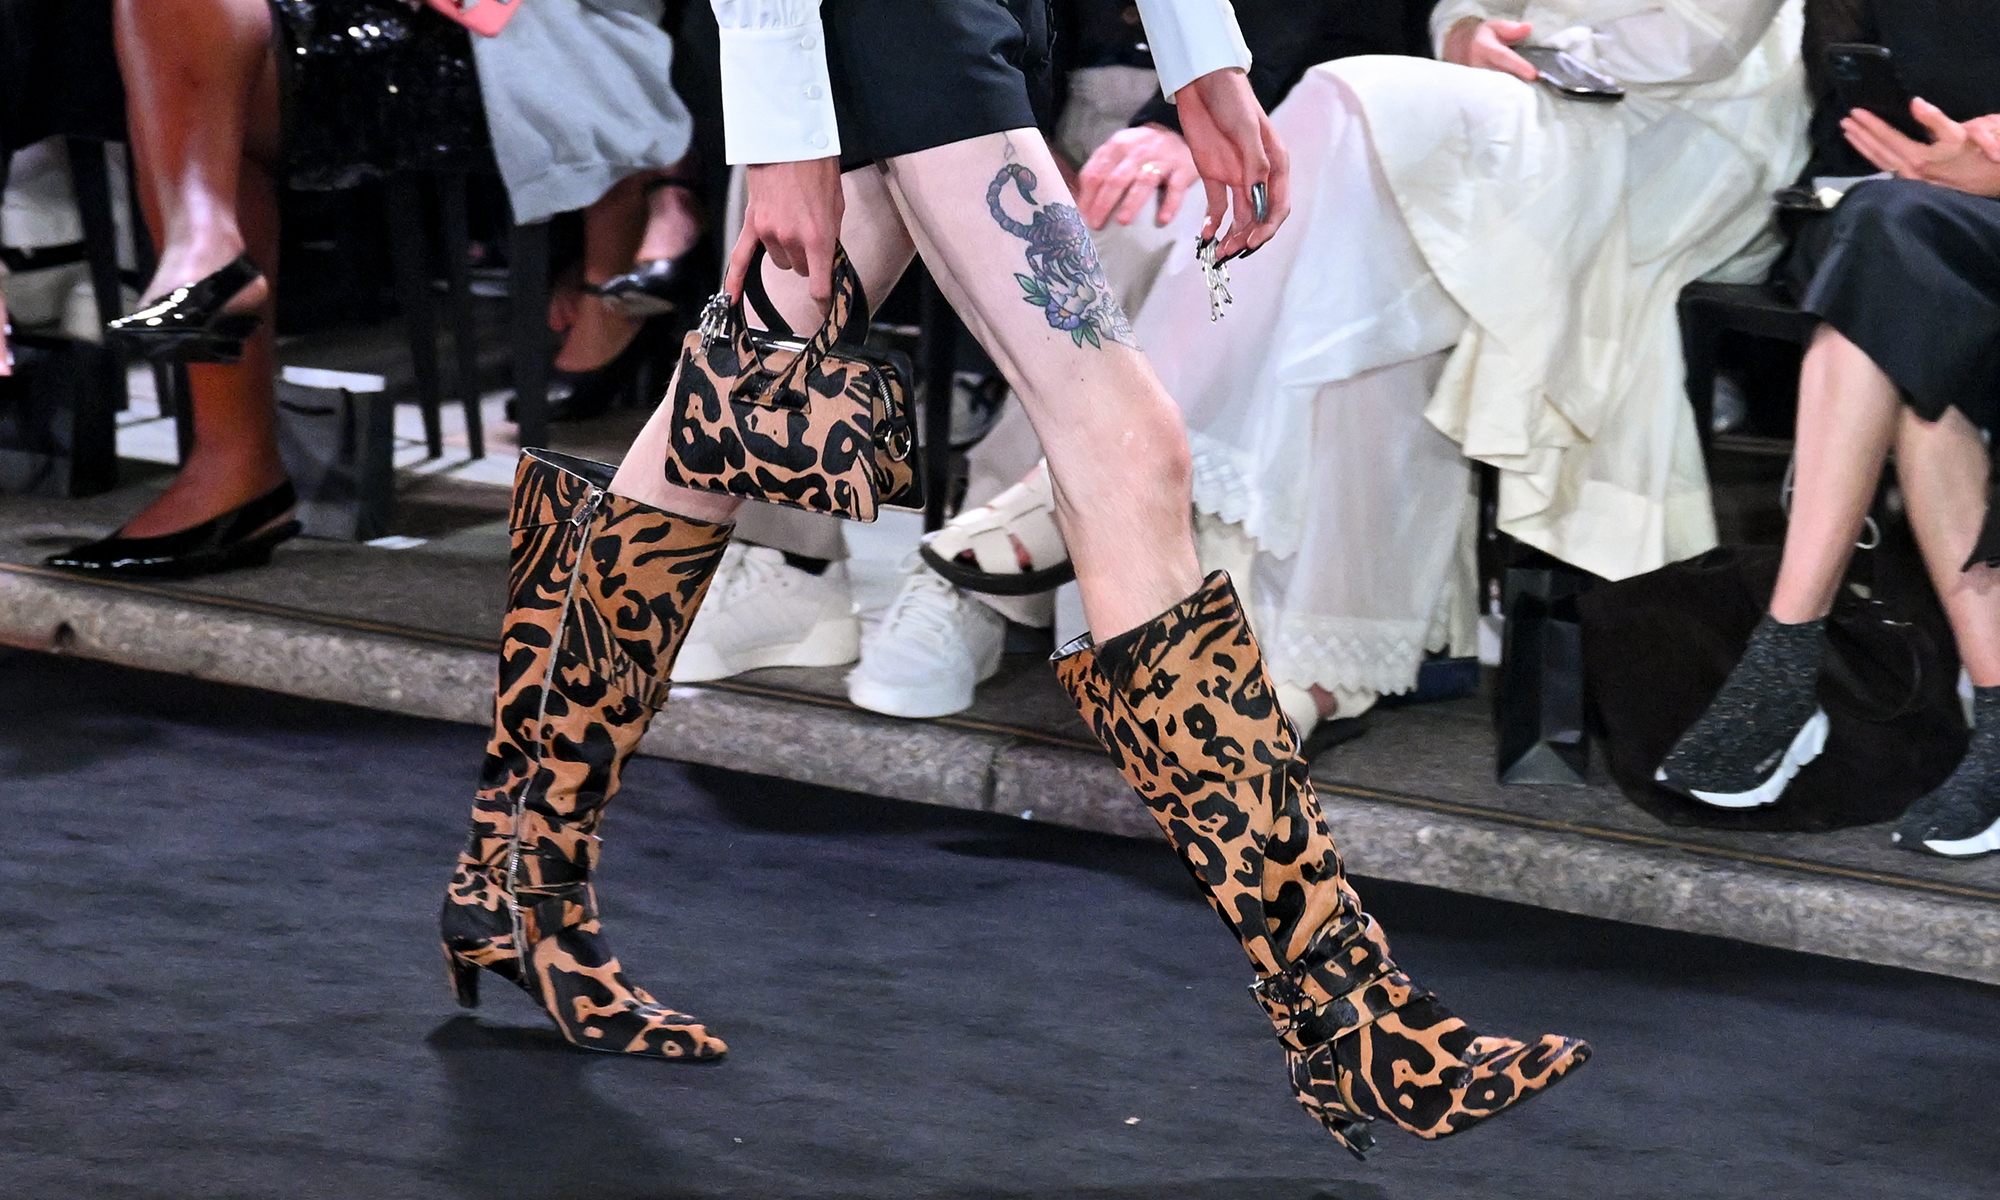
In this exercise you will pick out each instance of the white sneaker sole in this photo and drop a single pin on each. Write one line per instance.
(1979, 843)
(834, 642)
(1806, 746)
(932, 700)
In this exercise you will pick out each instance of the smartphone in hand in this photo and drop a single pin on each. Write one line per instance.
(1566, 74)
(1864, 76)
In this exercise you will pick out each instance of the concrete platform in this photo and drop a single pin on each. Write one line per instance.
(412, 631)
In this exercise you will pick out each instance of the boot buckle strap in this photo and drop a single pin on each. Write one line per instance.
(1315, 999)
(548, 903)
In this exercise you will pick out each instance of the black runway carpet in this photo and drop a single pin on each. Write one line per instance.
(220, 980)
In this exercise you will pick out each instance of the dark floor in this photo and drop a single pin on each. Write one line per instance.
(221, 983)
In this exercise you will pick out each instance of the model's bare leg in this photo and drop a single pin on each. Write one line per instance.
(880, 250)
(204, 114)
(1848, 413)
(1001, 235)
(1113, 436)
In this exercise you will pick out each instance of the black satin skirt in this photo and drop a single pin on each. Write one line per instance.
(372, 87)
(1910, 273)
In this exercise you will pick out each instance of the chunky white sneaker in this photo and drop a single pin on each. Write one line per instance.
(762, 612)
(935, 644)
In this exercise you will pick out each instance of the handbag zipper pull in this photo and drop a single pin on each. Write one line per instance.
(715, 318)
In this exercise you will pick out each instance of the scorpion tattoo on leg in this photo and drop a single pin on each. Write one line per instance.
(1064, 278)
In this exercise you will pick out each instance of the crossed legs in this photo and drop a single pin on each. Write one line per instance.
(1850, 417)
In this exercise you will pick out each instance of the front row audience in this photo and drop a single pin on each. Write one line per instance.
(1478, 268)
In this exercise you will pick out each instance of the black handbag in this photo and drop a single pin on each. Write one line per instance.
(1657, 648)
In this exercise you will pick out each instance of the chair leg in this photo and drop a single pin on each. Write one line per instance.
(457, 239)
(404, 210)
(170, 383)
(528, 292)
(1700, 338)
(94, 431)
(940, 356)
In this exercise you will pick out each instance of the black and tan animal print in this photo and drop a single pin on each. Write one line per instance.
(601, 592)
(825, 428)
(1189, 717)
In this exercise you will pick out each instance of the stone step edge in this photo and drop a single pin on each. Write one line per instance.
(1407, 839)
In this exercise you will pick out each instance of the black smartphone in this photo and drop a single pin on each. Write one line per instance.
(1865, 77)
(1563, 72)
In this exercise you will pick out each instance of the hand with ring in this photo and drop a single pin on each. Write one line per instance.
(1132, 168)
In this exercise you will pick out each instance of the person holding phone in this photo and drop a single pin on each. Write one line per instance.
(1482, 266)
(1905, 276)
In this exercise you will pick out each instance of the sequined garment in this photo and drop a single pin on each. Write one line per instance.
(375, 86)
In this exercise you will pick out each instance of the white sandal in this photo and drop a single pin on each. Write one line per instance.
(1009, 546)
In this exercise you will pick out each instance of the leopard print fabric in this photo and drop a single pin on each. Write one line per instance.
(1189, 717)
(832, 435)
(601, 592)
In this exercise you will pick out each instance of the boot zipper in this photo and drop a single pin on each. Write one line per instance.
(584, 516)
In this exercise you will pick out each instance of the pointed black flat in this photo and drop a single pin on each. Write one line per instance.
(650, 289)
(188, 324)
(241, 537)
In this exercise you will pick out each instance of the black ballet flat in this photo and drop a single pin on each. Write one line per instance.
(241, 537)
(651, 289)
(188, 324)
(657, 286)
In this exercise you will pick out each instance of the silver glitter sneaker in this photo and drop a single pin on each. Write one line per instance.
(1961, 819)
(1761, 728)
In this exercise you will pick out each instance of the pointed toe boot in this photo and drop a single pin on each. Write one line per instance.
(1189, 717)
(601, 591)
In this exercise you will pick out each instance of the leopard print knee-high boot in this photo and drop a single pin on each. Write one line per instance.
(1184, 707)
(601, 590)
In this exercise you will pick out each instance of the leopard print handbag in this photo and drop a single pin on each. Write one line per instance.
(822, 424)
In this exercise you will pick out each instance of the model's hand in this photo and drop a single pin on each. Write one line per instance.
(1952, 159)
(1234, 146)
(1489, 44)
(795, 209)
(1131, 168)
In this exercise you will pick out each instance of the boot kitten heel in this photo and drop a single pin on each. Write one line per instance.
(464, 978)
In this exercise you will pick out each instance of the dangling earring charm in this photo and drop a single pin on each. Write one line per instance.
(1214, 276)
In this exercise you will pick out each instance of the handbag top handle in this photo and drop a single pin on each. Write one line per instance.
(846, 321)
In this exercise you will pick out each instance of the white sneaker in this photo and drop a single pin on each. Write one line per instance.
(935, 644)
(762, 612)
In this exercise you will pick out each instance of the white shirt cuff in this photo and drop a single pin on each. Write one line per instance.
(777, 100)
(1191, 38)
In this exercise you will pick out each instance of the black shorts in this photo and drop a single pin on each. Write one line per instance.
(911, 75)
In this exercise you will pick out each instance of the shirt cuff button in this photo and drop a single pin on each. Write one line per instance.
(820, 140)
